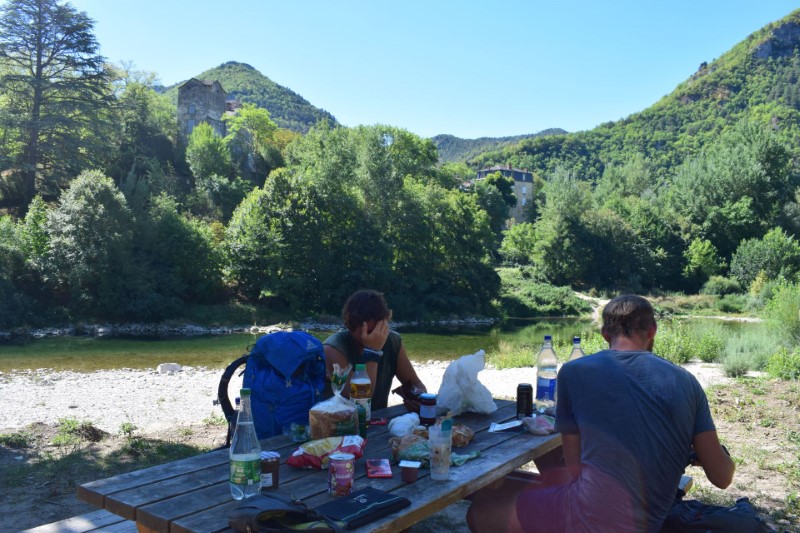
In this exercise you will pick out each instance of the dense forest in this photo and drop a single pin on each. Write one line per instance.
(112, 215)
(457, 150)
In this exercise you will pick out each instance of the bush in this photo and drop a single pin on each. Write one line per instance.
(736, 365)
(783, 314)
(721, 286)
(709, 347)
(754, 345)
(673, 343)
(784, 364)
(733, 303)
(524, 296)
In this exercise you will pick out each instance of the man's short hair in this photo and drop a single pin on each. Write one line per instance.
(363, 306)
(627, 315)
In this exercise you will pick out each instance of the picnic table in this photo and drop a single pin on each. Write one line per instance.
(193, 495)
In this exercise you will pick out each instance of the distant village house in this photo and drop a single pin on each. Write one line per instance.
(523, 187)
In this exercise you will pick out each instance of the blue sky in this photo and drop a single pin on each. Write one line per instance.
(468, 68)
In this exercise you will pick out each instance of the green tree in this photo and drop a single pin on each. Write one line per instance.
(252, 144)
(518, 243)
(90, 260)
(776, 255)
(702, 261)
(207, 154)
(146, 138)
(59, 87)
(183, 265)
(736, 190)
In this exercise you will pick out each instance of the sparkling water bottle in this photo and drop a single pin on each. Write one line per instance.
(577, 351)
(546, 372)
(245, 453)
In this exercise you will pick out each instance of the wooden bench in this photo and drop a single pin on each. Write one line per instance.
(94, 521)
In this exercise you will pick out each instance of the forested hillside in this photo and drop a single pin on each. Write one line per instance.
(458, 150)
(698, 191)
(241, 81)
(757, 79)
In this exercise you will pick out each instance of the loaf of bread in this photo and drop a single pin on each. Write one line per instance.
(333, 417)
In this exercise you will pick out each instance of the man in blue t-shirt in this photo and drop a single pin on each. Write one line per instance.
(629, 421)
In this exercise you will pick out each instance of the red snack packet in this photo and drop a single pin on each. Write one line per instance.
(315, 453)
(379, 468)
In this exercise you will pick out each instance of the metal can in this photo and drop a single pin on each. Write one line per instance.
(524, 400)
(341, 470)
(427, 409)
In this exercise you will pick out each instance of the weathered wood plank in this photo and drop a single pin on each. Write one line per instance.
(96, 520)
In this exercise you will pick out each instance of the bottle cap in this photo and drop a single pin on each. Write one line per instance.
(360, 367)
(427, 396)
(244, 392)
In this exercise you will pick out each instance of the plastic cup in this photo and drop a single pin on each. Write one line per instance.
(298, 432)
(440, 444)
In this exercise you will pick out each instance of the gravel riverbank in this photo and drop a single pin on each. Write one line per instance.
(155, 401)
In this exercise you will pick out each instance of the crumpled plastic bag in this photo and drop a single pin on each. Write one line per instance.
(461, 392)
(403, 425)
(415, 448)
(540, 424)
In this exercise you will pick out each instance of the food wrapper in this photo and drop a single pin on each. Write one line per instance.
(462, 435)
(415, 448)
(315, 453)
(540, 424)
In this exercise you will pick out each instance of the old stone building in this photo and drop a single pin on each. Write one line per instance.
(523, 187)
(201, 101)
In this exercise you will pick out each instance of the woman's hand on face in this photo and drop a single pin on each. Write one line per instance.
(375, 339)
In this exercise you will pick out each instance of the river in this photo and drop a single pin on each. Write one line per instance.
(87, 354)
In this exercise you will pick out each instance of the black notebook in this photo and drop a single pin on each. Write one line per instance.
(363, 506)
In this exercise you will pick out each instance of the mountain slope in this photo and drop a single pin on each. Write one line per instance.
(757, 79)
(456, 149)
(246, 84)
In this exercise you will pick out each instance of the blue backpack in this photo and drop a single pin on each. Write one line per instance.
(285, 373)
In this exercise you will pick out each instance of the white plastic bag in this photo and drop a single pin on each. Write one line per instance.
(403, 425)
(461, 392)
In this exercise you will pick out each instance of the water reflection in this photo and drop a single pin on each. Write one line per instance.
(439, 343)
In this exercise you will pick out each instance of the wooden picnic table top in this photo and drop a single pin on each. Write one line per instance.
(193, 495)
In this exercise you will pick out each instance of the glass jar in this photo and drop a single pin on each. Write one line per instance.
(427, 409)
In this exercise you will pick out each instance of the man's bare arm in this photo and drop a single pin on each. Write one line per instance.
(717, 464)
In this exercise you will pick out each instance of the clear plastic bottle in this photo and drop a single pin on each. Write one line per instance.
(577, 351)
(546, 372)
(245, 453)
(361, 390)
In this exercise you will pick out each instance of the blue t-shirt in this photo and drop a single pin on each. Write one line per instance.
(636, 414)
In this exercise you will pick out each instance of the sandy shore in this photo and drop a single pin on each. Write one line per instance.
(154, 401)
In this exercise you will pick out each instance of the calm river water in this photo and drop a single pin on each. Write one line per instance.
(88, 354)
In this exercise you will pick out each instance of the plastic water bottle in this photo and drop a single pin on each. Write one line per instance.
(245, 453)
(546, 372)
(577, 351)
(361, 390)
